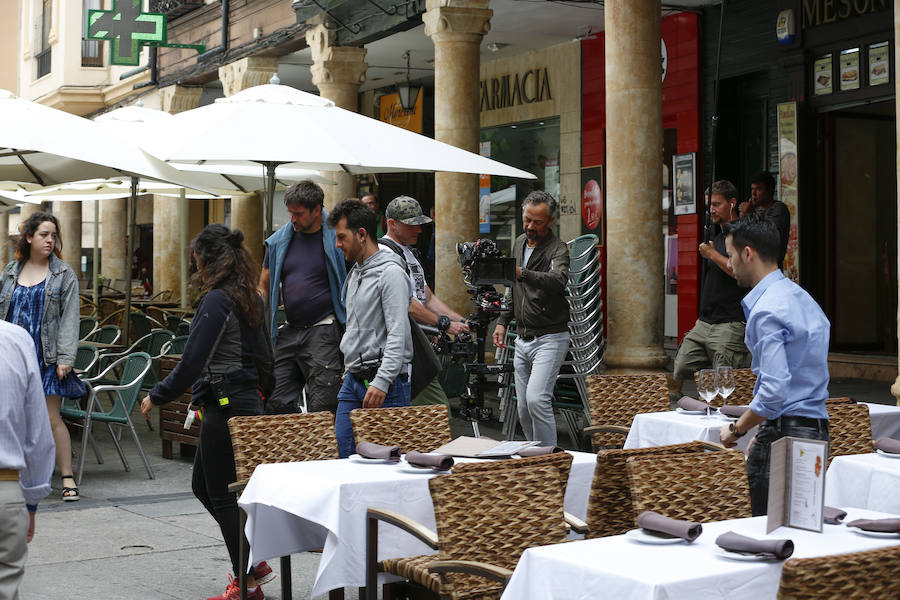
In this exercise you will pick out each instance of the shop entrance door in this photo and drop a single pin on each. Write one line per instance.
(861, 204)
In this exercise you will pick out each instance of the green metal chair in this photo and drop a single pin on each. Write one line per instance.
(108, 334)
(86, 327)
(86, 359)
(184, 328)
(152, 344)
(125, 395)
(176, 345)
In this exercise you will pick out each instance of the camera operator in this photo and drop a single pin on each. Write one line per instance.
(404, 223)
(377, 344)
(542, 316)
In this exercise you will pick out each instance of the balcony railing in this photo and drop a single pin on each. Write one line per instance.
(91, 53)
(174, 8)
(43, 63)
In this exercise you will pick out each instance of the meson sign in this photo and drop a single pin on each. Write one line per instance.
(515, 89)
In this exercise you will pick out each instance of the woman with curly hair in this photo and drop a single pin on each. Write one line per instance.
(228, 360)
(39, 292)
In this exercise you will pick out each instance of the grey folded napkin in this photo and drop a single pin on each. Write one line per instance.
(372, 450)
(730, 410)
(655, 522)
(888, 445)
(439, 462)
(882, 525)
(735, 542)
(688, 403)
(833, 516)
(539, 450)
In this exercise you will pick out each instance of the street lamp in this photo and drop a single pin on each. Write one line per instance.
(408, 92)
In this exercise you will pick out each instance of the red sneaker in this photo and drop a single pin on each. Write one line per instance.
(233, 592)
(263, 573)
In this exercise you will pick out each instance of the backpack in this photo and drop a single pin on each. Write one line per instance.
(425, 363)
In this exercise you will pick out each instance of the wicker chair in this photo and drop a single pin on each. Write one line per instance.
(850, 428)
(615, 399)
(415, 568)
(421, 428)
(276, 439)
(744, 381)
(485, 520)
(711, 486)
(853, 576)
(610, 510)
(163, 296)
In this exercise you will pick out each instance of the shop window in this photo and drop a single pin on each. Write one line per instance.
(531, 146)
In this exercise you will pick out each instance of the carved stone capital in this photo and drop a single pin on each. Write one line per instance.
(340, 65)
(177, 98)
(469, 20)
(247, 72)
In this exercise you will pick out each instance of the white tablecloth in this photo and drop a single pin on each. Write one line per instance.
(865, 481)
(885, 420)
(616, 567)
(294, 507)
(672, 427)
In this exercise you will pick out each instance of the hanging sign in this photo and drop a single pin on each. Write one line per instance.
(484, 193)
(127, 29)
(788, 190)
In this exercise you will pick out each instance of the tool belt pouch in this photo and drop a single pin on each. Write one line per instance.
(365, 374)
(219, 386)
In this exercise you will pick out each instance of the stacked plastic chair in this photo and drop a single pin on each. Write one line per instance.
(586, 343)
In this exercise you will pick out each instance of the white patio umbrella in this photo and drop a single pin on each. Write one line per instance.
(281, 127)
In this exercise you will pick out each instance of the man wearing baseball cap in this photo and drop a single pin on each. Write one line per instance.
(404, 222)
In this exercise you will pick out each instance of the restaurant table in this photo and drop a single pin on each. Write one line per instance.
(885, 420)
(102, 345)
(295, 507)
(674, 427)
(864, 481)
(164, 304)
(618, 567)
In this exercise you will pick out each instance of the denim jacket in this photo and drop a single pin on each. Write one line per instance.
(59, 323)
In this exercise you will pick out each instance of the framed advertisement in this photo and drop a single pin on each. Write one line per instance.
(684, 167)
(880, 63)
(592, 206)
(849, 66)
(822, 75)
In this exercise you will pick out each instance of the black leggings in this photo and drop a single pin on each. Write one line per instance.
(214, 467)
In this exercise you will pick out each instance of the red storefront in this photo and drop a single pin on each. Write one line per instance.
(681, 136)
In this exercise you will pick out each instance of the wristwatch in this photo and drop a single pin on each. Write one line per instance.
(732, 427)
(443, 322)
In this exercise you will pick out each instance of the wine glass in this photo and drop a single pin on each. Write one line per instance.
(707, 387)
(725, 382)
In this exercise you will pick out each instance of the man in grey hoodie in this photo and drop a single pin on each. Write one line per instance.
(377, 344)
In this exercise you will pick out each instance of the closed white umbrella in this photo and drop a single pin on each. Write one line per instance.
(281, 127)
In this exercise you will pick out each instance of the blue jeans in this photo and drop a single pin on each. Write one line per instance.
(537, 365)
(351, 397)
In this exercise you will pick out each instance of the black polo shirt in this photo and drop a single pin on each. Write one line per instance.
(720, 298)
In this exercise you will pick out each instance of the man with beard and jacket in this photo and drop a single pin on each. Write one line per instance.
(377, 344)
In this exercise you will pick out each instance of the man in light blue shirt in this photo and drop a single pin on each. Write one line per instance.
(27, 452)
(788, 334)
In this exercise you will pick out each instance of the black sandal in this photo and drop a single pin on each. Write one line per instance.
(69, 494)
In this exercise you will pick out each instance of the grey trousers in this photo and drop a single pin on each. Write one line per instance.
(537, 365)
(13, 547)
(308, 357)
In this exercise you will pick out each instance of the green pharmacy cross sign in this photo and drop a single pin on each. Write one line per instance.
(127, 28)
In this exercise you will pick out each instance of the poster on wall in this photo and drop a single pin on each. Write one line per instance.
(684, 167)
(879, 63)
(788, 189)
(592, 201)
(850, 69)
(822, 73)
(484, 193)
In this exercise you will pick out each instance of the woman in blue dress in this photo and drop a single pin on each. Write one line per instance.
(39, 292)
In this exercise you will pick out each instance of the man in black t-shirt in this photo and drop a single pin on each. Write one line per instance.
(717, 339)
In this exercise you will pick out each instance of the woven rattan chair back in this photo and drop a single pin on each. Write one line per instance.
(853, 576)
(420, 428)
(615, 399)
(562, 461)
(850, 428)
(744, 382)
(493, 517)
(281, 438)
(708, 486)
(610, 510)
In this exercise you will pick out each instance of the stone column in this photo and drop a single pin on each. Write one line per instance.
(115, 262)
(5, 246)
(29, 209)
(895, 389)
(247, 208)
(456, 28)
(337, 71)
(69, 216)
(635, 290)
(166, 246)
